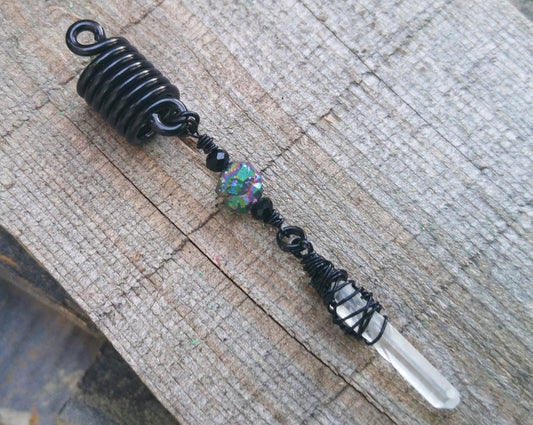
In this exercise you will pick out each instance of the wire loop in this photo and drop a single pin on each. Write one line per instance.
(174, 119)
(86, 49)
(292, 239)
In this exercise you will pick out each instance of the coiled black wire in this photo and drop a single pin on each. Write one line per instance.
(206, 143)
(274, 219)
(127, 90)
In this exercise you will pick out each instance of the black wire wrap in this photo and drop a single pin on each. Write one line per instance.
(206, 143)
(127, 90)
(138, 101)
(329, 281)
(275, 219)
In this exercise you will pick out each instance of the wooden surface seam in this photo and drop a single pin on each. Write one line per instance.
(397, 133)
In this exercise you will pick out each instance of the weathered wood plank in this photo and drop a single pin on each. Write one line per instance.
(397, 134)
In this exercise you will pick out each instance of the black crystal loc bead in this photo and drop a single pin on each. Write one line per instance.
(262, 209)
(217, 160)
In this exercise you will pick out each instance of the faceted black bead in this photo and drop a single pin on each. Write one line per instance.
(262, 209)
(217, 160)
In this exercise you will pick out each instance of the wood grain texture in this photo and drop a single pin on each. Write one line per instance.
(397, 133)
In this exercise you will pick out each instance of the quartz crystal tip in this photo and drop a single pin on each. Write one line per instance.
(414, 367)
(399, 352)
(452, 400)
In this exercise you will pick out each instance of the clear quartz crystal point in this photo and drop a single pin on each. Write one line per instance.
(405, 358)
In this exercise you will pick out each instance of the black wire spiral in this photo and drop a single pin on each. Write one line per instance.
(206, 143)
(127, 90)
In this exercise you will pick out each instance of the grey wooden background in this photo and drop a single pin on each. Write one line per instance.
(398, 133)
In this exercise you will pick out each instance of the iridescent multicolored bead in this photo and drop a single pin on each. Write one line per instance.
(241, 185)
